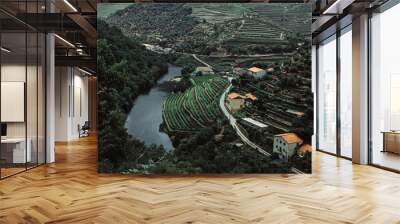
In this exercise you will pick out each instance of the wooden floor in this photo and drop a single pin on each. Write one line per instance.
(387, 159)
(71, 191)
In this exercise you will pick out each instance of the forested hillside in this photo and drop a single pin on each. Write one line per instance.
(123, 75)
(162, 24)
(218, 29)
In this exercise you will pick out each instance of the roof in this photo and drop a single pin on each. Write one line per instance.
(235, 95)
(290, 138)
(251, 96)
(255, 69)
(254, 122)
(304, 148)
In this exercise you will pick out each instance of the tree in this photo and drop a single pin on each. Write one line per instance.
(187, 69)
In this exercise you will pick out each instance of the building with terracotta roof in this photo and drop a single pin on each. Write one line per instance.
(285, 144)
(304, 149)
(237, 101)
(257, 73)
(250, 96)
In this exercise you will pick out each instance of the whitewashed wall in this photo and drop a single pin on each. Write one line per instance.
(71, 102)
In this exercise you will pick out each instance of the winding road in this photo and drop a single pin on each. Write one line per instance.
(160, 50)
(227, 114)
(201, 61)
(234, 124)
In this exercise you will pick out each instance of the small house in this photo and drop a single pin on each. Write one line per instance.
(235, 101)
(304, 149)
(255, 72)
(251, 97)
(286, 144)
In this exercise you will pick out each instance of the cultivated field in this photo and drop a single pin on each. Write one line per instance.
(218, 13)
(197, 107)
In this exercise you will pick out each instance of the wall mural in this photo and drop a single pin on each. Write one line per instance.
(191, 88)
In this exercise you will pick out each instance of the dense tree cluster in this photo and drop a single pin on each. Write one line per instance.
(123, 75)
(201, 152)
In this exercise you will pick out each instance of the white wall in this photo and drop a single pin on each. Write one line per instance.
(33, 126)
(71, 102)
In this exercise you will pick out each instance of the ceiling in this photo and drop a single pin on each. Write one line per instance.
(73, 22)
(330, 15)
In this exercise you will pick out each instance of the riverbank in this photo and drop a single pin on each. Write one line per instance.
(145, 117)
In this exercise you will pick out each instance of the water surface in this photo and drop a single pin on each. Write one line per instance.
(144, 119)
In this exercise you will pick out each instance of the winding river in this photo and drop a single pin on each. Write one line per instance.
(144, 119)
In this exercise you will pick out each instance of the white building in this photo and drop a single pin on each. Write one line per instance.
(257, 73)
(285, 144)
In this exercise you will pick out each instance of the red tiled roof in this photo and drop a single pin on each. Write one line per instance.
(235, 95)
(290, 138)
(251, 96)
(255, 69)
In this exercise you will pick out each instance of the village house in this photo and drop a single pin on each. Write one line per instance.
(257, 73)
(237, 101)
(286, 144)
(249, 99)
(304, 149)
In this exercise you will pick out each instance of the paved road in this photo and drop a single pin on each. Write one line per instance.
(233, 123)
(201, 61)
(161, 50)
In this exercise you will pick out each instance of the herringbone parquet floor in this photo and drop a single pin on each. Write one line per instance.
(71, 191)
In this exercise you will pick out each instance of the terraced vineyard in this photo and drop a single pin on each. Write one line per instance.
(197, 107)
(258, 31)
(271, 23)
(293, 18)
(218, 13)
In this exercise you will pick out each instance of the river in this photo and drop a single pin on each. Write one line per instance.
(144, 119)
